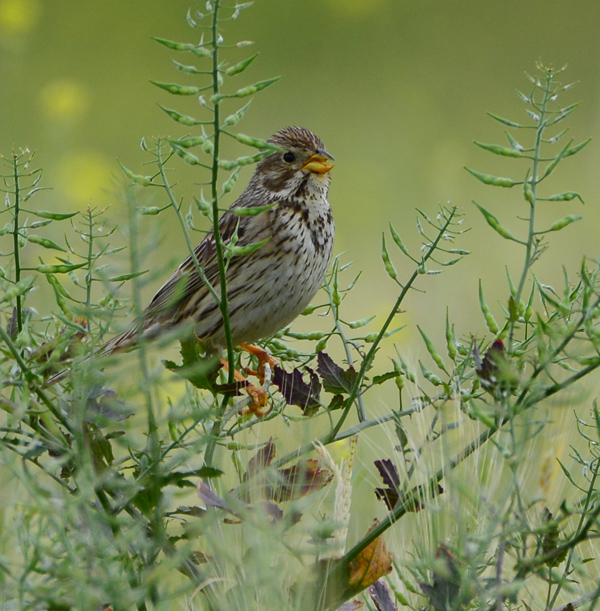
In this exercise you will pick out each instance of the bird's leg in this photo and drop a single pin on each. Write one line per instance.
(259, 395)
(263, 358)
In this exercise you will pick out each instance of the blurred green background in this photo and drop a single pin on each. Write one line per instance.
(397, 90)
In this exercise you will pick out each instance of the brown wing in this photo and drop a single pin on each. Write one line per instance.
(185, 290)
(173, 296)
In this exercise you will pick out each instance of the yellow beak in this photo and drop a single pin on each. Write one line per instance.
(319, 162)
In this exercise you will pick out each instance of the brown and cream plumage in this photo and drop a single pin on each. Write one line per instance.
(269, 287)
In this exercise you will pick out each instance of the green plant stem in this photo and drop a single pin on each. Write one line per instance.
(366, 363)
(175, 205)
(153, 441)
(406, 503)
(546, 392)
(223, 303)
(589, 499)
(30, 378)
(89, 273)
(360, 405)
(533, 182)
(16, 247)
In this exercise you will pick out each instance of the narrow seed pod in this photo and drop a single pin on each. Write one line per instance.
(183, 119)
(59, 269)
(236, 116)
(496, 181)
(565, 197)
(45, 242)
(240, 66)
(494, 223)
(490, 321)
(55, 216)
(432, 351)
(499, 150)
(567, 220)
(389, 266)
(176, 89)
(138, 179)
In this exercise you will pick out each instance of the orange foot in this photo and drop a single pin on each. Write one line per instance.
(258, 395)
(263, 358)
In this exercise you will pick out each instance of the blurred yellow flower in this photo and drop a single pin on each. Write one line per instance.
(64, 99)
(85, 177)
(18, 16)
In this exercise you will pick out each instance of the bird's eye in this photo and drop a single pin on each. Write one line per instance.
(289, 157)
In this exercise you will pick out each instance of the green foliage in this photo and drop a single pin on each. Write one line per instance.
(99, 472)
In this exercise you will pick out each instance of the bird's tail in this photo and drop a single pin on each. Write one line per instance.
(123, 341)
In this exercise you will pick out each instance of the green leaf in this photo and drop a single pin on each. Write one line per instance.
(335, 379)
(384, 377)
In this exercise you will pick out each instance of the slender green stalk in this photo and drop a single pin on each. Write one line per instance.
(214, 190)
(15, 233)
(589, 500)
(533, 183)
(367, 361)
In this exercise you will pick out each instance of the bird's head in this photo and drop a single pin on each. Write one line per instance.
(300, 169)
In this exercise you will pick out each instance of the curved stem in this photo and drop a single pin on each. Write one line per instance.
(386, 325)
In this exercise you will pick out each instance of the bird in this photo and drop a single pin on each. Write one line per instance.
(273, 284)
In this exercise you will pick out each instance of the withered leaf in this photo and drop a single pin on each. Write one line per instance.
(298, 481)
(286, 484)
(351, 605)
(335, 379)
(391, 479)
(446, 581)
(295, 390)
(260, 460)
(380, 595)
(371, 564)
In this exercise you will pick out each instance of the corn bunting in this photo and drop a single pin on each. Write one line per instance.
(269, 287)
